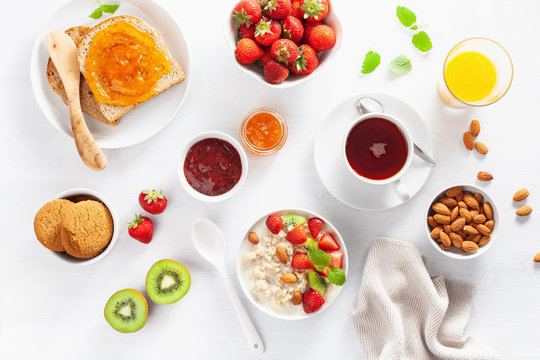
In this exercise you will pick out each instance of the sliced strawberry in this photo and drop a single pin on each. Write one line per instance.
(297, 235)
(327, 243)
(337, 259)
(312, 301)
(315, 226)
(274, 223)
(301, 261)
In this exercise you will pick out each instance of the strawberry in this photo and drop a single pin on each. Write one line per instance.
(322, 37)
(336, 260)
(245, 32)
(315, 226)
(247, 12)
(274, 223)
(314, 10)
(247, 51)
(306, 62)
(292, 28)
(312, 301)
(275, 72)
(152, 201)
(301, 261)
(267, 31)
(308, 27)
(284, 50)
(297, 235)
(327, 243)
(278, 9)
(295, 9)
(141, 229)
(267, 56)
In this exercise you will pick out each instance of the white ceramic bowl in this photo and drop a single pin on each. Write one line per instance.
(454, 252)
(230, 30)
(260, 224)
(87, 194)
(206, 135)
(139, 124)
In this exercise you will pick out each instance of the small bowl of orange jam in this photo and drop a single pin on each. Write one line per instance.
(264, 131)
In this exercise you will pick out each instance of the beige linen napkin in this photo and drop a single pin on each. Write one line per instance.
(403, 313)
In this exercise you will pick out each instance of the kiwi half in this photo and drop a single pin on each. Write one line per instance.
(167, 282)
(126, 311)
(290, 221)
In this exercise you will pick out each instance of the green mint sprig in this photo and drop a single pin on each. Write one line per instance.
(406, 17)
(336, 276)
(371, 61)
(422, 41)
(321, 260)
(401, 65)
(108, 8)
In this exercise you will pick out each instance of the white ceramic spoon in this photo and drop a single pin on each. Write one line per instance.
(210, 243)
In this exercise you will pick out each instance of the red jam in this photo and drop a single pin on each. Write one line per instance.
(212, 166)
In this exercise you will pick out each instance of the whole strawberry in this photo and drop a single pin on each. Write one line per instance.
(274, 223)
(278, 9)
(247, 12)
(247, 51)
(314, 10)
(284, 50)
(267, 31)
(141, 229)
(305, 64)
(245, 32)
(152, 201)
(275, 72)
(308, 27)
(292, 28)
(314, 224)
(312, 301)
(322, 37)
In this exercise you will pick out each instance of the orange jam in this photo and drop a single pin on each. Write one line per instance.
(124, 64)
(263, 130)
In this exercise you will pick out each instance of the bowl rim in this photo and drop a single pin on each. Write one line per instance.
(494, 233)
(69, 193)
(206, 135)
(247, 292)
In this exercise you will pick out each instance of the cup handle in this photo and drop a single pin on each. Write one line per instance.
(400, 190)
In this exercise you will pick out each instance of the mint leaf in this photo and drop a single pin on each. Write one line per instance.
(96, 14)
(400, 65)
(406, 17)
(414, 27)
(336, 276)
(422, 41)
(319, 258)
(371, 61)
(109, 8)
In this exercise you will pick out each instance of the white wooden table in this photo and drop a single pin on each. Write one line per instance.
(50, 310)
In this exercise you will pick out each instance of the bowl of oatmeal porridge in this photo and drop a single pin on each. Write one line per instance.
(292, 264)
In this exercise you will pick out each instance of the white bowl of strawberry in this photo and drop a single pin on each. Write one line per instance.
(283, 42)
(292, 264)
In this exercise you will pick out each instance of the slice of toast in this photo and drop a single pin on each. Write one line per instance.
(89, 103)
(175, 76)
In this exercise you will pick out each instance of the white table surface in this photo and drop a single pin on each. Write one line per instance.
(50, 310)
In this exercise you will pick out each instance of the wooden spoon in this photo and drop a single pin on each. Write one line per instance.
(65, 57)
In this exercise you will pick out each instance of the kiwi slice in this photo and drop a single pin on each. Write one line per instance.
(311, 243)
(167, 282)
(317, 282)
(126, 311)
(292, 220)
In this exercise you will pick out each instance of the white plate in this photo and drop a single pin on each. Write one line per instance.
(333, 172)
(139, 124)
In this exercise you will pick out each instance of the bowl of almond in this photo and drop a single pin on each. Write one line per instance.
(462, 221)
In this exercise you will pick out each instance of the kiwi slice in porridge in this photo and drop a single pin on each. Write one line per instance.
(126, 311)
(317, 282)
(290, 221)
(167, 282)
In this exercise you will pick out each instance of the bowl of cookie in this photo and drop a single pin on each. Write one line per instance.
(79, 226)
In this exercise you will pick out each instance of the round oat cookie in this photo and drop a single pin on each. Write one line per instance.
(48, 223)
(87, 229)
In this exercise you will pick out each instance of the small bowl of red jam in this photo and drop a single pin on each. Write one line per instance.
(213, 166)
(263, 131)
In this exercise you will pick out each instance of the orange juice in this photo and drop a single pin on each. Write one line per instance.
(471, 76)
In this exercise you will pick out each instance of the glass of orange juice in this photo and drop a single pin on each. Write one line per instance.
(476, 72)
(264, 131)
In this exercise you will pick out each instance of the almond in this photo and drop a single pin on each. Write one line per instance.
(470, 201)
(481, 148)
(469, 246)
(441, 209)
(447, 229)
(475, 128)
(474, 238)
(479, 198)
(484, 240)
(442, 219)
(537, 257)
(464, 213)
(436, 232)
(453, 192)
(454, 215)
(448, 201)
(296, 298)
(459, 197)
(281, 254)
(444, 246)
(288, 278)
(482, 229)
(490, 224)
(470, 230)
(253, 238)
(462, 205)
(468, 140)
(480, 219)
(431, 221)
(456, 239)
(521, 195)
(523, 211)
(458, 224)
(488, 211)
(462, 233)
(445, 239)
(484, 176)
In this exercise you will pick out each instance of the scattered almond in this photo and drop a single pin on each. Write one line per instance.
(288, 278)
(442, 209)
(281, 254)
(475, 128)
(458, 224)
(296, 298)
(469, 246)
(521, 195)
(442, 219)
(488, 211)
(484, 176)
(453, 192)
(524, 210)
(253, 238)
(537, 257)
(468, 140)
(481, 148)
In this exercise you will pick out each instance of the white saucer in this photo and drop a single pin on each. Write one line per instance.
(332, 169)
(139, 124)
